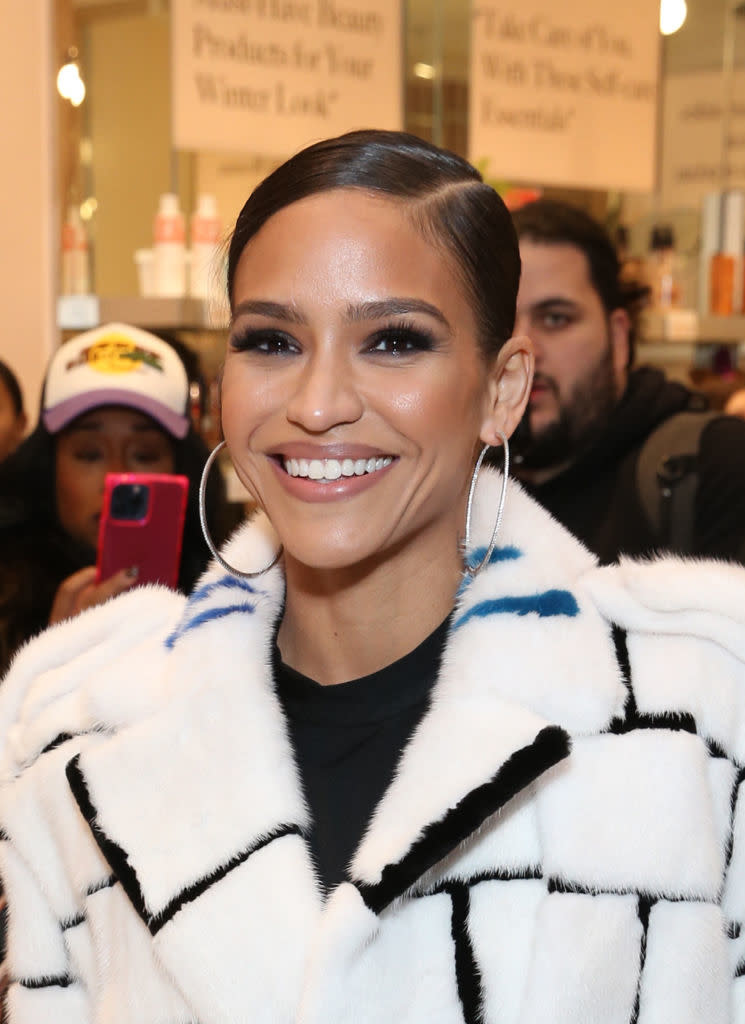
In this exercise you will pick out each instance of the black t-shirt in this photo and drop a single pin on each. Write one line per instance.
(348, 739)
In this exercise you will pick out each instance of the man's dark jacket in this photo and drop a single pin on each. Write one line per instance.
(597, 496)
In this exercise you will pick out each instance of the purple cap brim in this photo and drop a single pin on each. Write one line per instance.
(58, 417)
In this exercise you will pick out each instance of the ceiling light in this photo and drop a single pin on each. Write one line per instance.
(672, 15)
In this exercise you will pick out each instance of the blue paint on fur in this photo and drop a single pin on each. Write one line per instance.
(227, 582)
(208, 615)
(506, 554)
(550, 604)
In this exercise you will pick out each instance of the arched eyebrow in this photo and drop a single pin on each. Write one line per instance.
(273, 310)
(378, 309)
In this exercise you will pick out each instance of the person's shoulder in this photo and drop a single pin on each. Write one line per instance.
(723, 435)
(696, 603)
(679, 626)
(667, 590)
(94, 673)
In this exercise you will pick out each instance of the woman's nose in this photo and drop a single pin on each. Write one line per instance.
(325, 394)
(117, 463)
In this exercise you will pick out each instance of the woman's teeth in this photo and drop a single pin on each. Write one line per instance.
(332, 469)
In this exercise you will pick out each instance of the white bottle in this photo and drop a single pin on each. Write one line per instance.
(169, 249)
(75, 265)
(205, 239)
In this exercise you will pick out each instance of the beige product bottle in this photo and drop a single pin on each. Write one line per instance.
(75, 262)
(205, 239)
(662, 269)
(169, 249)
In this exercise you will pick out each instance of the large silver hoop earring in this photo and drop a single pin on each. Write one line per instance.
(205, 529)
(474, 570)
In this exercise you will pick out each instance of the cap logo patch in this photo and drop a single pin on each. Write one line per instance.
(116, 354)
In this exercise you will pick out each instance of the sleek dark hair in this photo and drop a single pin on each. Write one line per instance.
(12, 386)
(443, 195)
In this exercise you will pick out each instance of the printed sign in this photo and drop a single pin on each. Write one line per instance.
(702, 151)
(565, 94)
(270, 76)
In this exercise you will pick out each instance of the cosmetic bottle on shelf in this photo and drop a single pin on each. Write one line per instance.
(169, 249)
(205, 239)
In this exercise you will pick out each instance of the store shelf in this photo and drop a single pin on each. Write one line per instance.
(81, 312)
(687, 327)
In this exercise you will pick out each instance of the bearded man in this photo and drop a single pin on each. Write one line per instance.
(590, 414)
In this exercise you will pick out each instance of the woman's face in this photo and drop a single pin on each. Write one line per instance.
(354, 391)
(111, 439)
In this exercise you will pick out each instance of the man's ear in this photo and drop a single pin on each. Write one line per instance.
(510, 379)
(619, 329)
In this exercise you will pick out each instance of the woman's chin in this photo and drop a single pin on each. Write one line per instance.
(342, 558)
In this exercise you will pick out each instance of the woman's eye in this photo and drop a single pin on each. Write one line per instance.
(89, 455)
(264, 342)
(148, 458)
(401, 340)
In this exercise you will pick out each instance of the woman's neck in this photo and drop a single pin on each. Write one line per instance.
(339, 626)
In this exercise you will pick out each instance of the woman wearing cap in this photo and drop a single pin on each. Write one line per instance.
(399, 758)
(115, 399)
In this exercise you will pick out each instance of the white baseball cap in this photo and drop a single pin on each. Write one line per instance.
(116, 365)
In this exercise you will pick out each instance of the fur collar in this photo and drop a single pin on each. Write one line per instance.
(514, 678)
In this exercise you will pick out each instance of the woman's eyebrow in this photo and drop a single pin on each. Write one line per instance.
(274, 310)
(382, 308)
(377, 309)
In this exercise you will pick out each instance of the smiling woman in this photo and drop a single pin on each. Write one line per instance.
(406, 752)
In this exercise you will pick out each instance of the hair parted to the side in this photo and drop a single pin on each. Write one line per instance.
(443, 195)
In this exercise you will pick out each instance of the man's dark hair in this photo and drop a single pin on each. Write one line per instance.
(12, 386)
(443, 195)
(551, 222)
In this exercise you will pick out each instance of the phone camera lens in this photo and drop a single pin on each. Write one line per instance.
(129, 501)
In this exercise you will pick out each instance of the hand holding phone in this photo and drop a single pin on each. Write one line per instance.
(142, 524)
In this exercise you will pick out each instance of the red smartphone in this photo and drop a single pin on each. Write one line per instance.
(142, 524)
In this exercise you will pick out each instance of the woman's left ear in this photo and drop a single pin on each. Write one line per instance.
(510, 379)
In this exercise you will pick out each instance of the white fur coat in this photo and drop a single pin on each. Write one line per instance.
(563, 842)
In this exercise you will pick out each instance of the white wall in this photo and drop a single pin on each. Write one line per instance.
(28, 217)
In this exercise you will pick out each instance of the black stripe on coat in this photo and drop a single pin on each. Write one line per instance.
(679, 721)
(644, 907)
(113, 853)
(467, 973)
(125, 873)
(72, 922)
(47, 981)
(439, 838)
(194, 891)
